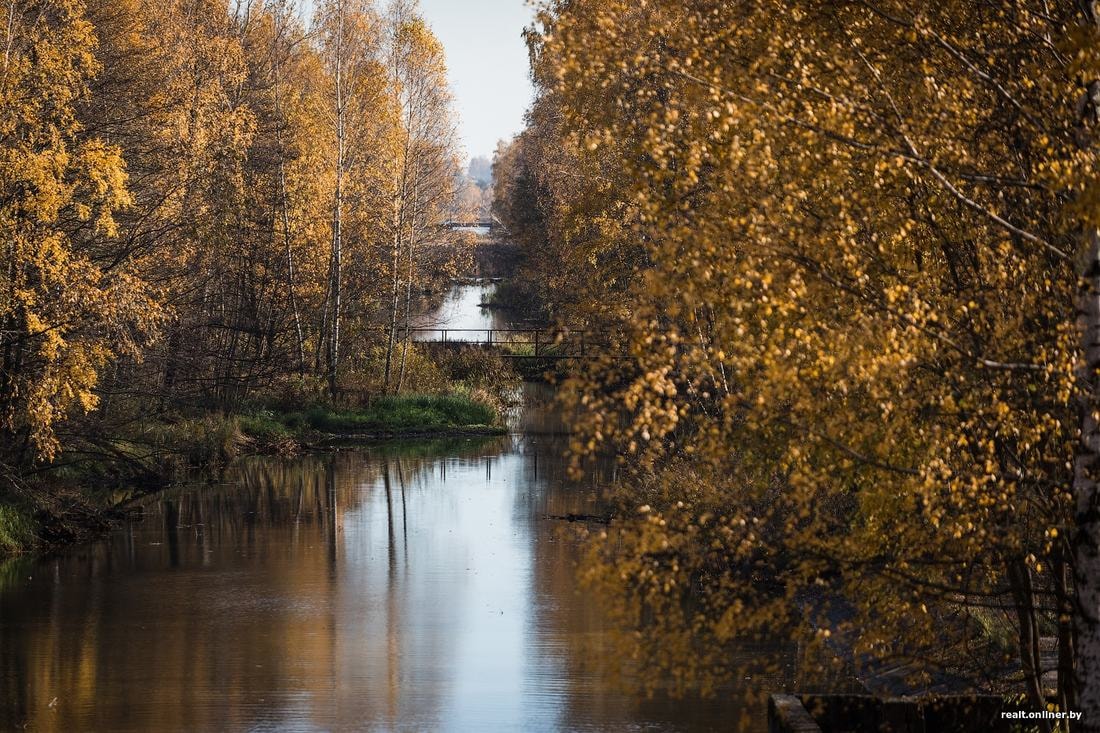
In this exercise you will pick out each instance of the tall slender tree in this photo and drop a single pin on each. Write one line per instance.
(351, 42)
(424, 170)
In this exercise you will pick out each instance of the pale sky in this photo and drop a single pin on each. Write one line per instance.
(487, 60)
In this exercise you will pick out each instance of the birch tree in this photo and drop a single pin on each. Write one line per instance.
(351, 46)
(425, 167)
(859, 371)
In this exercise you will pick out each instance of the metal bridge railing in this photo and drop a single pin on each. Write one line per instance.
(517, 342)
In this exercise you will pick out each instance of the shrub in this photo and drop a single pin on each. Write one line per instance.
(212, 440)
(366, 376)
(293, 391)
(16, 529)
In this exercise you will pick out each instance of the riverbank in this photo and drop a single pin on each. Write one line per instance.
(384, 417)
(85, 497)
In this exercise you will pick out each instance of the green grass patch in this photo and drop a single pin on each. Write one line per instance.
(399, 413)
(265, 425)
(384, 415)
(17, 529)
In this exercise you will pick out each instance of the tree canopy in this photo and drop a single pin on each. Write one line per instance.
(841, 242)
(196, 202)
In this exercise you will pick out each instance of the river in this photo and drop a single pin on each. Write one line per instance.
(416, 586)
(461, 315)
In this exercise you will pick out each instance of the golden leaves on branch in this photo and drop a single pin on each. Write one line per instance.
(170, 169)
(62, 317)
(852, 314)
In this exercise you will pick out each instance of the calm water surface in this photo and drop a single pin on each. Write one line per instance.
(461, 315)
(416, 587)
(420, 587)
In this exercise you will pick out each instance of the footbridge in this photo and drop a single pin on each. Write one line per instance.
(491, 223)
(522, 343)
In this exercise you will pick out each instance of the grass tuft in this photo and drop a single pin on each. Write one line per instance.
(264, 425)
(402, 413)
(17, 529)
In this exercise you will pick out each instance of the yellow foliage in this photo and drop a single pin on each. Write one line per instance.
(62, 314)
(853, 316)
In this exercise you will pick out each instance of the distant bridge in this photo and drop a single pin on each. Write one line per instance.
(521, 343)
(490, 224)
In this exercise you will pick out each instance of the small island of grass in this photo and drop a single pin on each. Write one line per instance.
(387, 416)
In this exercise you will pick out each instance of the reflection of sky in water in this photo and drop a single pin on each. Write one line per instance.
(460, 311)
(304, 595)
(456, 579)
(414, 587)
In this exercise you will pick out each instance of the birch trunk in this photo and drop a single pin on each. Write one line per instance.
(336, 272)
(394, 292)
(410, 247)
(284, 205)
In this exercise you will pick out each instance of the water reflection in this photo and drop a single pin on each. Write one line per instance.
(461, 314)
(391, 588)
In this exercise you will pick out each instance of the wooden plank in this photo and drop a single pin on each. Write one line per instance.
(786, 714)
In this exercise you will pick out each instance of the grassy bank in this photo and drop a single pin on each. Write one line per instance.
(78, 498)
(384, 417)
(144, 447)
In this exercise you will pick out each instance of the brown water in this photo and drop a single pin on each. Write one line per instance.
(418, 587)
(421, 586)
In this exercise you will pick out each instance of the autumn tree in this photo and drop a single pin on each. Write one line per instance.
(563, 204)
(64, 313)
(853, 401)
(350, 43)
(425, 165)
(197, 202)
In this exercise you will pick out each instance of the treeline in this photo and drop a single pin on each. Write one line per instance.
(852, 249)
(200, 200)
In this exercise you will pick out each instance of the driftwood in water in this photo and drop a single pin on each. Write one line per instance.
(571, 517)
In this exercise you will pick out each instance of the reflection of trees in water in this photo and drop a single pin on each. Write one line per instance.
(197, 618)
(581, 649)
(622, 657)
(460, 309)
(689, 615)
(378, 597)
(221, 609)
(325, 589)
(404, 579)
(622, 664)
